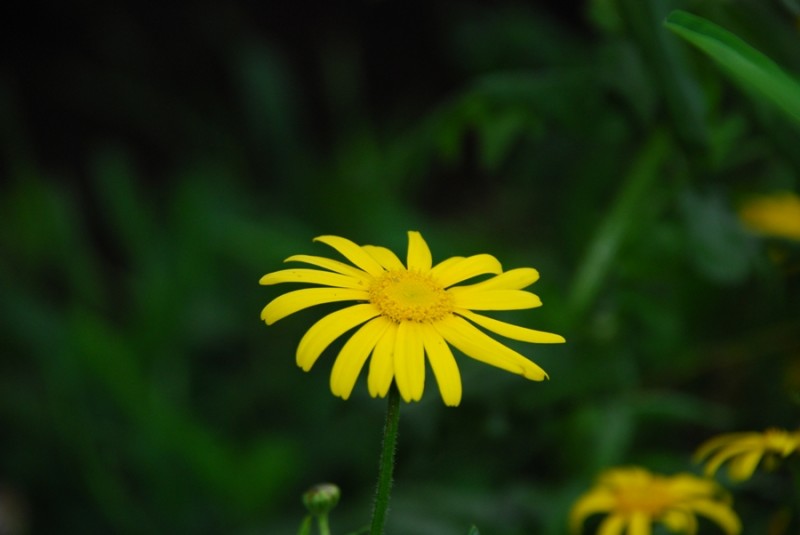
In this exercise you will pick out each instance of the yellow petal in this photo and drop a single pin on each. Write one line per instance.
(409, 361)
(720, 513)
(686, 484)
(728, 452)
(333, 265)
(515, 332)
(419, 255)
(312, 276)
(680, 521)
(381, 365)
(354, 354)
(328, 329)
(513, 279)
(494, 299)
(291, 302)
(385, 257)
(445, 265)
(743, 466)
(443, 365)
(718, 442)
(593, 502)
(466, 268)
(639, 524)
(474, 343)
(353, 253)
(612, 525)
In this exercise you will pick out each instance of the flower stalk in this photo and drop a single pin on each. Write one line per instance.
(322, 524)
(386, 463)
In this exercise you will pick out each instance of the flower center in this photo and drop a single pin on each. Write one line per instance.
(410, 296)
(652, 499)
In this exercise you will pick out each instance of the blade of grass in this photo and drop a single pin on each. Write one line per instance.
(750, 68)
(604, 246)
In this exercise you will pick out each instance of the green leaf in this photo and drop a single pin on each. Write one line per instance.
(750, 68)
(473, 531)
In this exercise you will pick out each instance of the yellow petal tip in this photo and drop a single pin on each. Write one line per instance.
(536, 375)
(265, 316)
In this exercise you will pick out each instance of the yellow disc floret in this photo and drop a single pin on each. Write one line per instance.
(410, 296)
(651, 497)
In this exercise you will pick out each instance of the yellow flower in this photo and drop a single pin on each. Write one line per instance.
(406, 312)
(634, 499)
(745, 451)
(773, 215)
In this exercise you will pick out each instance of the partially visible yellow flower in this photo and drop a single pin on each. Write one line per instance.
(634, 499)
(773, 215)
(745, 451)
(405, 312)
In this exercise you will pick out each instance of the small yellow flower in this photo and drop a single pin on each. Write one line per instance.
(406, 312)
(634, 499)
(745, 451)
(773, 215)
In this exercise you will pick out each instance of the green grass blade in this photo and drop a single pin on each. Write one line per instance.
(621, 218)
(753, 70)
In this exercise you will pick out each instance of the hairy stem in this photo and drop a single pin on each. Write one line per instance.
(386, 466)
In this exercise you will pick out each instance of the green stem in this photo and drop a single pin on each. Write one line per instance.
(386, 462)
(322, 524)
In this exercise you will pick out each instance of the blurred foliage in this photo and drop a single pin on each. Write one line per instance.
(157, 162)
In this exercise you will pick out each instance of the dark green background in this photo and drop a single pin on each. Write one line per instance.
(158, 159)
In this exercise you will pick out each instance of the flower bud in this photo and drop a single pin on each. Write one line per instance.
(320, 499)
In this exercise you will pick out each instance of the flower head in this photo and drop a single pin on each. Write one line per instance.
(634, 499)
(405, 312)
(745, 451)
(773, 215)
(321, 499)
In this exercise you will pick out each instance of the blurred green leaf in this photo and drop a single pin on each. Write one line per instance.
(620, 219)
(249, 479)
(718, 245)
(681, 90)
(499, 136)
(748, 67)
(473, 531)
(125, 209)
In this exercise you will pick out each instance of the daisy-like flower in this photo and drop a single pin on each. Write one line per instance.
(776, 215)
(634, 499)
(407, 311)
(746, 450)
